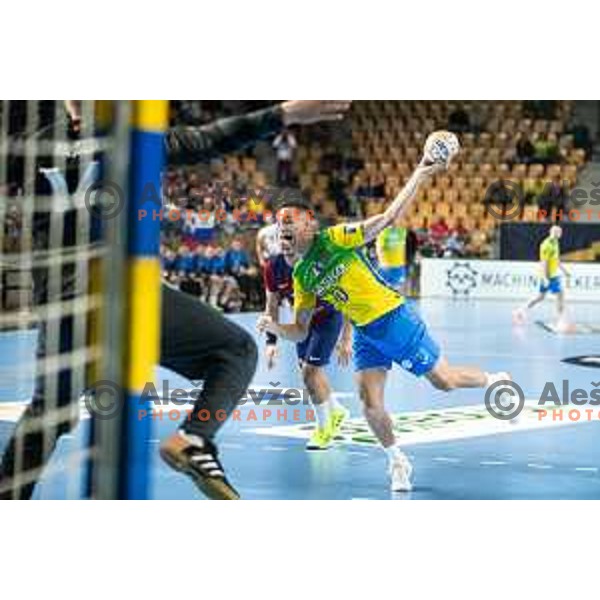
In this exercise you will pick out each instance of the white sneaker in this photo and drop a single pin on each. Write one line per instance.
(564, 325)
(400, 471)
(505, 397)
(500, 376)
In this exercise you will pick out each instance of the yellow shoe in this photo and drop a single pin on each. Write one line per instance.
(337, 419)
(320, 439)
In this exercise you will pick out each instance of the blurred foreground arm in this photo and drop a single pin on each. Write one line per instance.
(200, 144)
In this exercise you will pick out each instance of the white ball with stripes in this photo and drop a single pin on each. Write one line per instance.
(441, 147)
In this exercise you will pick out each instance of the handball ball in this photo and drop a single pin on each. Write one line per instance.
(441, 147)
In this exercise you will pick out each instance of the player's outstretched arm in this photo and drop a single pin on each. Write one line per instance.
(259, 248)
(293, 332)
(565, 271)
(272, 305)
(200, 144)
(272, 311)
(373, 226)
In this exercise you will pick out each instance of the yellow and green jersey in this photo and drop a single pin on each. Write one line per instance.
(550, 254)
(335, 271)
(391, 247)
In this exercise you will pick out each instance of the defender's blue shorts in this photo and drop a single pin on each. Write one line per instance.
(554, 286)
(399, 336)
(322, 337)
(394, 276)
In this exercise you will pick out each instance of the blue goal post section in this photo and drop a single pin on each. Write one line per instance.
(120, 463)
(79, 294)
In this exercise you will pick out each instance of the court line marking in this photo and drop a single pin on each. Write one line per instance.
(11, 411)
(231, 446)
(430, 426)
(580, 328)
(446, 459)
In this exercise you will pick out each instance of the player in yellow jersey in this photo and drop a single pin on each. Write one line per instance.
(330, 266)
(550, 266)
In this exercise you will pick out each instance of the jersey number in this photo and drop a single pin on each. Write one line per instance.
(339, 294)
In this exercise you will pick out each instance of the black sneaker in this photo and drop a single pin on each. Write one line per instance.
(201, 463)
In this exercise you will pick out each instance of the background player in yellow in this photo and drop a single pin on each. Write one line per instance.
(329, 266)
(550, 266)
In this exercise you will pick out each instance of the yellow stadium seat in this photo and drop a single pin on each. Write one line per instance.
(477, 210)
(477, 155)
(322, 181)
(525, 125)
(306, 181)
(486, 170)
(469, 169)
(259, 179)
(468, 140)
(485, 140)
(442, 209)
(443, 182)
(477, 183)
(450, 196)
(459, 209)
(519, 170)
(577, 157)
(536, 170)
(466, 196)
(434, 195)
(249, 164)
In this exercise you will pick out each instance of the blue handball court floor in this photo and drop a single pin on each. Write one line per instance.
(459, 451)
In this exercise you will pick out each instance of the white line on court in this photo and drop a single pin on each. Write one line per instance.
(434, 425)
(231, 446)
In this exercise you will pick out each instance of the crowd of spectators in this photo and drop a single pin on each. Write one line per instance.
(213, 257)
(220, 275)
(440, 240)
(209, 249)
(208, 238)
